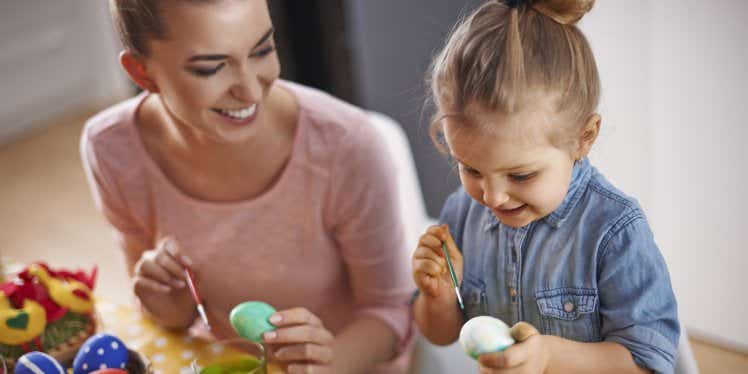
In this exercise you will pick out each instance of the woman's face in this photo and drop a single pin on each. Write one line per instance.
(215, 66)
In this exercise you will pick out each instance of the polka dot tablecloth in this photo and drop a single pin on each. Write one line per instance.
(168, 351)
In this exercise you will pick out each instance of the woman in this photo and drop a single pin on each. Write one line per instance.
(269, 190)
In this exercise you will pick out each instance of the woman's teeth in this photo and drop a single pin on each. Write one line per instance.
(240, 113)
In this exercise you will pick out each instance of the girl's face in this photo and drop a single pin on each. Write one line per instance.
(215, 67)
(508, 163)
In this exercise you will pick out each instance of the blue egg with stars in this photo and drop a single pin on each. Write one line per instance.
(38, 362)
(100, 351)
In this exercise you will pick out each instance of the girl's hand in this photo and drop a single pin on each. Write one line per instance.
(430, 270)
(159, 283)
(300, 342)
(529, 355)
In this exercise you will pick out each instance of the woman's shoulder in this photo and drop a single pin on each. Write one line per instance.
(331, 118)
(111, 125)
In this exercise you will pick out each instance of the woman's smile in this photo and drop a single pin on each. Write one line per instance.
(240, 116)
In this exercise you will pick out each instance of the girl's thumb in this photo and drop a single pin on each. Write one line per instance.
(450, 242)
(522, 331)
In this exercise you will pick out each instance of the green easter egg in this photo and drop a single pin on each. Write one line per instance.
(250, 319)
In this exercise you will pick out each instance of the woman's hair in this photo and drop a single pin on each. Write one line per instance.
(136, 21)
(507, 54)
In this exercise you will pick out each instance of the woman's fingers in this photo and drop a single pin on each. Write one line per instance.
(305, 352)
(295, 316)
(299, 334)
(141, 283)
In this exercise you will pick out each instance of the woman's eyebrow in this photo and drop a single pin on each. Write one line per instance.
(220, 57)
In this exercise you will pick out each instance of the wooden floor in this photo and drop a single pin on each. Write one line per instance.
(46, 213)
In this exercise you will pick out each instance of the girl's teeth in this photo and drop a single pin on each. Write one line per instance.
(241, 113)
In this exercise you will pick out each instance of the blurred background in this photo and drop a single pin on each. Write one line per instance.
(674, 126)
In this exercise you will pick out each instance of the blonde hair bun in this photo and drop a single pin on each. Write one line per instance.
(565, 12)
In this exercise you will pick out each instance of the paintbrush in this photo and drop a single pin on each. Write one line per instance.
(195, 295)
(453, 275)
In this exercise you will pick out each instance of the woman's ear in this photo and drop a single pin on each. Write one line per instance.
(135, 68)
(588, 135)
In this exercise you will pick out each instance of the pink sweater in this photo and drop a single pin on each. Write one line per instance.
(326, 237)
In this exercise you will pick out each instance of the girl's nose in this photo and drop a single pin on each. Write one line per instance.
(247, 87)
(494, 195)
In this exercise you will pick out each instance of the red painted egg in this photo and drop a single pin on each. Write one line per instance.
(109, 371)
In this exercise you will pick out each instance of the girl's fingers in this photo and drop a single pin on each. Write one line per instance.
(428, 240)
(299, 334)
(522, 331)
(427, 267)
(304, 352)
(172, 266)
(429, 253)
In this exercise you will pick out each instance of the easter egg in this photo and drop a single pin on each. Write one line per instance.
(250, 319)
(100, 351)
(485, 334)
(36, 363)
(110, 371)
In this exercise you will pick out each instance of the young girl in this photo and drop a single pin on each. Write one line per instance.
(269, 190)
(536, 233)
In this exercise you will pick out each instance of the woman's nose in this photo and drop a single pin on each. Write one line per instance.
(247, 87)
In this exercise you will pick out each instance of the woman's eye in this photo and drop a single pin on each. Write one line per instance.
(522, 177)
(263, 52)
(203, 72)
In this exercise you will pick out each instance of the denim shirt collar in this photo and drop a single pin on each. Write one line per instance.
(580, 175)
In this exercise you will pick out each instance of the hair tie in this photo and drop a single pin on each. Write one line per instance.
(513, 3)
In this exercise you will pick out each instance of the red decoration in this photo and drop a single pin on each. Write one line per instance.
(24, 286)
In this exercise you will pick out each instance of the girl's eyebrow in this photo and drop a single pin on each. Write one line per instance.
(519, 167)
(220, 57)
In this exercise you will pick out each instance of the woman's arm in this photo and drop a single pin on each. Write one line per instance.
(364, 343)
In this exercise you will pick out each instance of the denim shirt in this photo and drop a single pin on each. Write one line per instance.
(590, 271)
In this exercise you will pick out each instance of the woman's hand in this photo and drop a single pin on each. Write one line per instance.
(159, 283)
(300, 342)
(529, 355)
(430, 270)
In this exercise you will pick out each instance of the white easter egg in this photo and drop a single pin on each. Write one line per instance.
(484, 334)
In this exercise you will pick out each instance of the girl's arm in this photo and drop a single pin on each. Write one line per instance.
(438, 319)
(569, 356)
(552, 354)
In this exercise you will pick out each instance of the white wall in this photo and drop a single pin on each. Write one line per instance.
(675, 123)
(56, 58)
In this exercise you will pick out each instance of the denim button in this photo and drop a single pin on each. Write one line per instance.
(568, 307)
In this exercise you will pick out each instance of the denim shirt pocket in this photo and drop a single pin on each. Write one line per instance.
(570, 313)
(473, 293)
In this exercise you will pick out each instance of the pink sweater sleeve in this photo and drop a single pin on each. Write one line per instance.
(368, 228)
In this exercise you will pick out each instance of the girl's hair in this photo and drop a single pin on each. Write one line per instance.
(136, 21)
(505, 54)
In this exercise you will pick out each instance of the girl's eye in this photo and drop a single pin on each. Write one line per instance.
(201, 72)
(263, 52)
(470, 171)
(522, 177)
